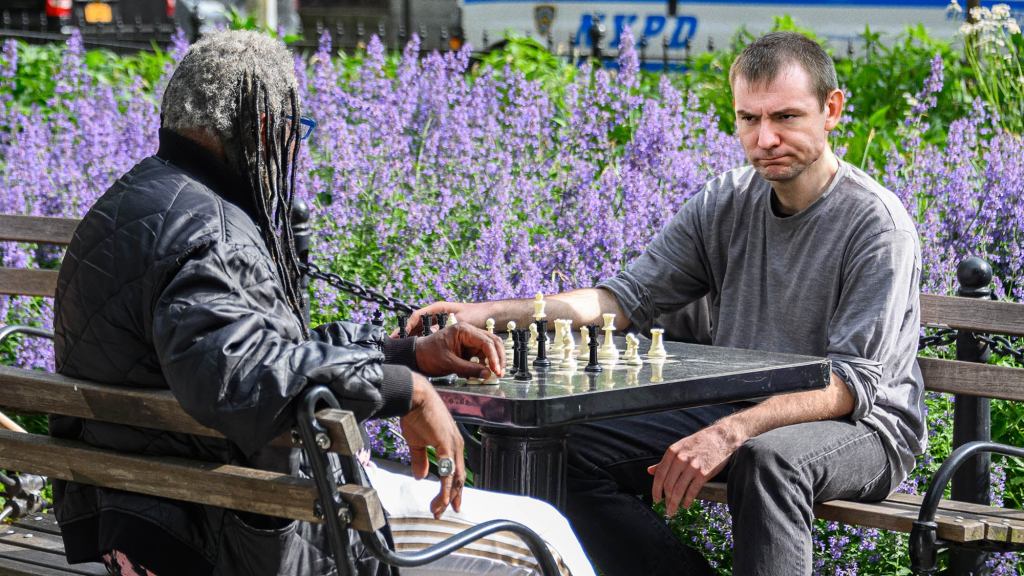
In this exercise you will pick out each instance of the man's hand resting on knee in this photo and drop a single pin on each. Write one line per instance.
(689, 464)
(428, 423)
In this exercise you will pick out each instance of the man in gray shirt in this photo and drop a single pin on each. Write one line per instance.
(798, 252)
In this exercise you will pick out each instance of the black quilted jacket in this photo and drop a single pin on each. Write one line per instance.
(167, 284)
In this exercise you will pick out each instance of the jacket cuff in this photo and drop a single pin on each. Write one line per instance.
(401, 351)
(396, 391)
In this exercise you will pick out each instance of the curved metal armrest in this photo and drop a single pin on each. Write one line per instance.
(336, 513)
(8, 331)
(924, 542)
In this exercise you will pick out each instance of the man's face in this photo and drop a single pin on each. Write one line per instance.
(782, 127)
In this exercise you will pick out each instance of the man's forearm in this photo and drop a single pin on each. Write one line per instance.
(835, 401)
(583, 307)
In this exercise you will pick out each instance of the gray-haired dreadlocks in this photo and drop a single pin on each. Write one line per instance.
(240, 88)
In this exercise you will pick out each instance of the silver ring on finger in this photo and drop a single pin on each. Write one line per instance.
(445, 467)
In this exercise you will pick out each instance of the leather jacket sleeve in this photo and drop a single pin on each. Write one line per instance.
(233, 353)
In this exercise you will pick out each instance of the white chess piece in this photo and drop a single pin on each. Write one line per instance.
(474, 379)
(509, 342)
(657, 344)
(567, 332)
(656, 365)
(568, 362)
(492, 378)
(632, 356)
(584, 349)
(608, 350)
(533, 337)
(538, 307)
(451, 321)
(489, 325)
(556, 342)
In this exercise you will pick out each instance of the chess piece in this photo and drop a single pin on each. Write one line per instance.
(608, 349)
(584, 341)
(657, 344)
(524, 365)
(489, 325)
(492, 378)
(568, 362)
(441, 320)
(556, 342)
(567, 332)
(402, 321)
(592, 364)
(538, 307)
(533, 338)
(541, 361)
(632, 355)
(510, 341)
(474, 379)
(425, 321)
(450, 321)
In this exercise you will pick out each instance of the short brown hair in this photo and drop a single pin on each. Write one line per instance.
(762, 61)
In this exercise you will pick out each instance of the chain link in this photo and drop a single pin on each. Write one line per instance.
(360, 292)
(1002, 346)
(943, 337)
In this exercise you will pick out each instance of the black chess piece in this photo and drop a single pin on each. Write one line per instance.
(378, 318)
(592, 365)
(524, 349)
(425, 326)
(442, 319)
(402, 321)
(515, 351)
(541, 361)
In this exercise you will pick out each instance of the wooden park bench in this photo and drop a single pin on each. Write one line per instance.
(32, 545)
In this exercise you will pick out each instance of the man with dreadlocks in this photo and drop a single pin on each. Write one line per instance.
(184, 275)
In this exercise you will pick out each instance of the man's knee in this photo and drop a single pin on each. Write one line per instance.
(760, 461)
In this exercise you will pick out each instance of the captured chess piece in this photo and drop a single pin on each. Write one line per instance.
(510, 328)
(632, 355)
(541, 361)
(608, 350)
(450, 320)
(489, 325)
(592, 364)
(657, 344)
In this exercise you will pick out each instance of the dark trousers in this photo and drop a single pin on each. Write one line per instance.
(773, 480)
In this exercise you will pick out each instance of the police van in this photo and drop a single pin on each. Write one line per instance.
(700, 25)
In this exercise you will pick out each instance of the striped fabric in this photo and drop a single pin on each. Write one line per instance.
(500, 554)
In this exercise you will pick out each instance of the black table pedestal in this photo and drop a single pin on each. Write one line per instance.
(528, 462)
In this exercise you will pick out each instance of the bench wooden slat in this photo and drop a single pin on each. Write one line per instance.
(44, 523)
(18, 561)
(19, 281)
(987, 316)
(972, 379)
(1001, 524)
(223, 485)
(36, 391)
(896, 514)
(40, 229)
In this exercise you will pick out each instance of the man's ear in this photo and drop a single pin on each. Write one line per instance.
(834, 108)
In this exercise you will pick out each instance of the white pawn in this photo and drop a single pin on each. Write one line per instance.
(584, 349)
(538, 307)
(451, 321)
(657, 344)
(533, 337)
(474, 379)
(510, 344)
(632, 355)
(492, 378)
(608, 350)
(568, 362)
(489, 325)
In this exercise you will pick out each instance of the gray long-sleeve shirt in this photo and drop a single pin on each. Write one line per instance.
(838, 279)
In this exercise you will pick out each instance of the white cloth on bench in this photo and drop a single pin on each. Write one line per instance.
(407, 502)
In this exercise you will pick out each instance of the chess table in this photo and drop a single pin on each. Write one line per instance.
(524, 425)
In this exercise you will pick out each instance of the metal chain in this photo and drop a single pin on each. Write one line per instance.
(1001, 345)
(361, 292)
(943, 337)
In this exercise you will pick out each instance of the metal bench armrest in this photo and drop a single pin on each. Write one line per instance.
(8, 331)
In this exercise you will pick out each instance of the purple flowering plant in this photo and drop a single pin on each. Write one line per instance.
(443, 177)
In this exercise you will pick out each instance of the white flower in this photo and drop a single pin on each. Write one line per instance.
(1012, 27)
(1001, 11)
(966, 29)
(954, 7)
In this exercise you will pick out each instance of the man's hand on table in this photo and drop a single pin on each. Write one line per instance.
(690, 463)
(448, 351)
(428, 423)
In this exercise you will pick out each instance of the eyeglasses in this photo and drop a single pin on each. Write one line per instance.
(306, 126)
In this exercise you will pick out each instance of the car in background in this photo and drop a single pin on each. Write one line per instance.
(128, 20)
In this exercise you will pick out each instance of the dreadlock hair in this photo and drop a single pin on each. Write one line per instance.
(240, 88)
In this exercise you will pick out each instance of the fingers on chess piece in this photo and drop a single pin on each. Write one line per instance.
(450, 320)
(657, 344)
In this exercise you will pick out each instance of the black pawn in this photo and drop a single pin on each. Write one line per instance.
(541, 361)
(425, 327)
(402, 332)
(592, 365)
(524, 349)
